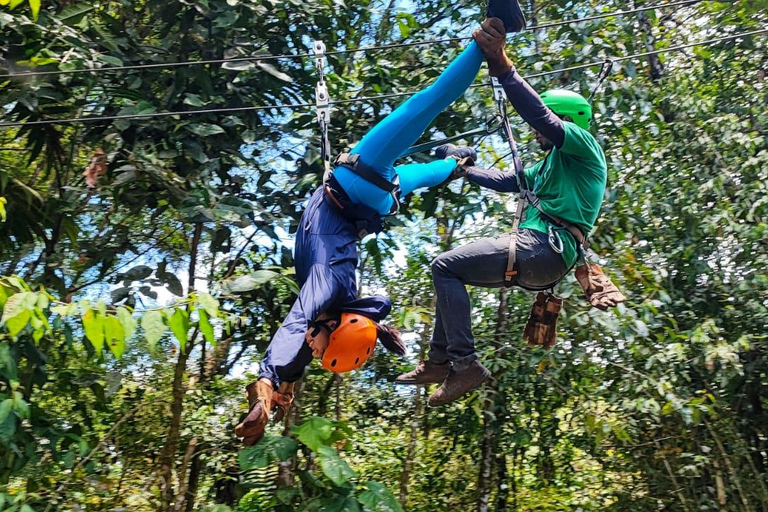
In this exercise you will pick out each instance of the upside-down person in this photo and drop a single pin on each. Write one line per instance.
(563, 193)
(364, 186)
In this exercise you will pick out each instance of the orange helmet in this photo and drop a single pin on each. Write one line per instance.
(351, 344)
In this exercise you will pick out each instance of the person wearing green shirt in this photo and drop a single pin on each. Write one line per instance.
(569, 182)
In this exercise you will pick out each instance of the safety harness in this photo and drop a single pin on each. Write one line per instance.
(527, 197)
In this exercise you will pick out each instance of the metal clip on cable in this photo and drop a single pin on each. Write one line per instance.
(323, 106)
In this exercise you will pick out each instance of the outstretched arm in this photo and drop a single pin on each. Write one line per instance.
(531, 108)
(491, 38)
(494, 179)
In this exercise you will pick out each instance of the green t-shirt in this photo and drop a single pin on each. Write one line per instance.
(570, 183)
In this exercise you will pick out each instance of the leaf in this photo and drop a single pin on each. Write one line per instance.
(6, 408)
(3, 201)
(179, 323)
(379, 499)
(269, 449)
(35, 6)
(114, 335)
(269, 68)
(18, 303)
(127, 321)
(334, 467)
(173, 284)
(16, 324)
(210, 304)
(154, 327)
(137, 273)
(205, 326)
(65, 309)
(314, 432)
(73, 13)
(253, 457)
(93, 324)
(205, 129)
(249, 282)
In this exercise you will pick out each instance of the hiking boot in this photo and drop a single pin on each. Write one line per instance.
(457, 152)
(459, 383)
(426, 372)
(509, 12)
(259, 394)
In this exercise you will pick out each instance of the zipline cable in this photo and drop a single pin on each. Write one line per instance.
(369, 98)
(256, 58)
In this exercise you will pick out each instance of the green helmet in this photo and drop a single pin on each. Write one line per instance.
(569, 103)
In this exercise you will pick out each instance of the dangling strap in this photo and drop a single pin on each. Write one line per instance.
(512, 256)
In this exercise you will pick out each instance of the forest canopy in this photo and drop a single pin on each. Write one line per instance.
(155, 159)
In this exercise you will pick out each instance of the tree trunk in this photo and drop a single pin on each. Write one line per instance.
(170, 448)
(418, 408)
(649, 41)
(491, 422)
(168, 454)
(502, 493)
(285, 468)
(484, 479)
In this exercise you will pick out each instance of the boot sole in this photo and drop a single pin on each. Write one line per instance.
(436, 403)
(419, 383)
(515, 14)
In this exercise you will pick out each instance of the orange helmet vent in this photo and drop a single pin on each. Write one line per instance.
(351, 344)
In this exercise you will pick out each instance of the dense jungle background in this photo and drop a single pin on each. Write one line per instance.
(146, 262)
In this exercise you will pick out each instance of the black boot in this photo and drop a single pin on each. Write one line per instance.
(509, 12)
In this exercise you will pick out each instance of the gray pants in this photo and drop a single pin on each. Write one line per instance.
(483, 263)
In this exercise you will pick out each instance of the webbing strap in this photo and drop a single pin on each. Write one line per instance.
(353, 163)
(512, 256)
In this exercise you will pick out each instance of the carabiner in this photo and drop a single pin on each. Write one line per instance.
(555, 242)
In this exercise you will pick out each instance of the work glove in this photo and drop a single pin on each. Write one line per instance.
(599, 290)
(541, 328)
(262, 399)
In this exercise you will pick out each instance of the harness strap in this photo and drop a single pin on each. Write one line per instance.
(572, 228)
(353, 163)
(512, 255)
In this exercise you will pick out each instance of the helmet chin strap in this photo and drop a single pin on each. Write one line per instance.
(319, 325)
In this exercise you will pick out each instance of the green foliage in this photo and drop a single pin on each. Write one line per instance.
(156, 266)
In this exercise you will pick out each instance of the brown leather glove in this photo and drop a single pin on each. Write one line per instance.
(259, 394)
(262, 399)
(282, 398)
(541, 328)
(599, 290)
(491, 37)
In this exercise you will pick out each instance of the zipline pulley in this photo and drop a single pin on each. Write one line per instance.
(323, 106)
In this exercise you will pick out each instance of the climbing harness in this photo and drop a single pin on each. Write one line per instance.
(353, 163)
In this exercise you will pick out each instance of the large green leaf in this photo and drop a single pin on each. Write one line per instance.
(179, 324)
(314, 432)
(154, 326)
(379, 499)
(334, 467)
(93, 324)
